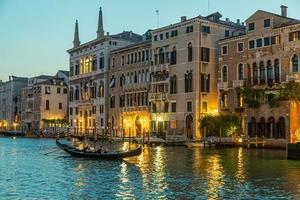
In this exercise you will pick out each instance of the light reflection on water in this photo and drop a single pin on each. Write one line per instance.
(159, 173)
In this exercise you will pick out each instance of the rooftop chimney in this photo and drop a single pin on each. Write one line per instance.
(283, 10)
(227, 19)
(238, 21)
(183, 18)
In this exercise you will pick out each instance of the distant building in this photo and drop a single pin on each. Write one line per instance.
(262, 60)
(184, 74)
(89, 81)
(129, 79)
(45, 103)
(10, 102)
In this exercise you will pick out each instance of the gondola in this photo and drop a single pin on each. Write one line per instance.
(95, 155)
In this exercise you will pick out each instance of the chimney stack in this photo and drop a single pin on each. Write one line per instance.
(283, 10)
(183, 18)
(227, 19)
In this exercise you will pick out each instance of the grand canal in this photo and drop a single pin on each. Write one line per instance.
(159, 173)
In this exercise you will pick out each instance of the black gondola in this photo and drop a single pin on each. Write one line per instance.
(95, 155)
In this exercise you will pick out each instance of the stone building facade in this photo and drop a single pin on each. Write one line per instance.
(89, 81)
(129, 86)
(184, 74)
(44, 100)
(263, 59)
(10, 102)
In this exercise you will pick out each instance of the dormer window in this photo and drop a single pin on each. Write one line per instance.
(267, 23)
(251, 26)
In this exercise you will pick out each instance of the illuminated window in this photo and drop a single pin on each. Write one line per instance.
(275, 39)
(101, 89)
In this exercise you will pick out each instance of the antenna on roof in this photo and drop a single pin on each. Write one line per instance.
(157, 15)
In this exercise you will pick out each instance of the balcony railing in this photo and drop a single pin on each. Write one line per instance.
(135, 86)
(160, 67)
(157, 96)
(135, 108)
(223, 86)
(238, 83)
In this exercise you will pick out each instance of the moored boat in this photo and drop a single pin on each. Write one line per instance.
(96, 155)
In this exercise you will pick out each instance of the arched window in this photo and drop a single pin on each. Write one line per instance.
(71, 94)
(190, 52)
(262, 71)
(161, 56)
(47, 105)
(173, 56)
(241, 72)
(94, 90)
(281, 127)
(271, 128)
(252, 127)
(101, 89)
(173, 84)
(262, 127)
(224, 74)
(255, 73)
(277, 70)
(270, 71)
(295, 63)
(188, 81)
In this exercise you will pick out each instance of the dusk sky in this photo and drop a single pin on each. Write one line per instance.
(35, 34)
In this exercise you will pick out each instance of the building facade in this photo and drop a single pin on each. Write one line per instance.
(10, 102)
(45, 103)
(89, 81)
(129, 75)
(254, 68)
(184, 74)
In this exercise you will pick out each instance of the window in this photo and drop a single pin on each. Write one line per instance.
(251, 44)
(251, 26)
(275, 39)
(101, 108)
(240, 47)
(190, 52)
(224, 74)
(155, 37)
(173, 84)
(101, 89)
(76, 110)
(58, 90)
(277, 70)
(205, 82)
(101, 62)
(94, 63)
(295, 64)
(161, 56)
(224, 50)
(173, 56)
(122, 60)
(128, 59)
(227, 33)
(143, 56)
(112, 101)
(65, 91)
(262, 71)
(188, 81)
(112, 83)
(173, 107)
(47, 90)
(113, 62)
(166, 107)
(205, 29)
(60, 106)
(161, 36)
(204, 106)
(71, 111)
(71, 94)
(174, 33)
(255, 73)
(259, 43)
(267, 41)
(224, 101)
(205, 54)
(240, 71)
(267, 23)
(189, 106)
(189, 29)
(294, 36)
(167, 35)
(47, 105)
(240, 100)
(270, 71)
(154, 110)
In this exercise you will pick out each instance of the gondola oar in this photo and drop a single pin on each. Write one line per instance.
(51, 152)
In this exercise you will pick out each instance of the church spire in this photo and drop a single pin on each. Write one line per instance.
(76, 41)
(100, 31)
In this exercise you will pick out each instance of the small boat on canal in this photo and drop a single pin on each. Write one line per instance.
(99, 155)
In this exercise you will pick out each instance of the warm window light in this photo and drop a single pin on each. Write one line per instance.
(159, 118)
(215, 111)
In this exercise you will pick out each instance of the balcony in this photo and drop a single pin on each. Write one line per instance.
(292, 77)
(84, 102)
(159, 67)
(135, 87)
(157, 96)
(135, 109)
(223, 86)
(238, 83)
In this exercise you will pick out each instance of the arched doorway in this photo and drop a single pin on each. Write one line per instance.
(189, 127)
(138, 127)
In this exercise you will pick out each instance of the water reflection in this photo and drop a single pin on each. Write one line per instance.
(215, 176)
(240, 172)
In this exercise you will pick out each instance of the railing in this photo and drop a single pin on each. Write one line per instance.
(160, 67)
(238, 83)
(157, 96)
(223, 86)
(135, 86)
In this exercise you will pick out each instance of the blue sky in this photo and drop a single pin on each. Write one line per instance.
(34, 34)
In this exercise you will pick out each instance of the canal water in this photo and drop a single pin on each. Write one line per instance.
(159, 173)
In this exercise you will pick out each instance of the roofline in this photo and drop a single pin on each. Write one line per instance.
(132, 46)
